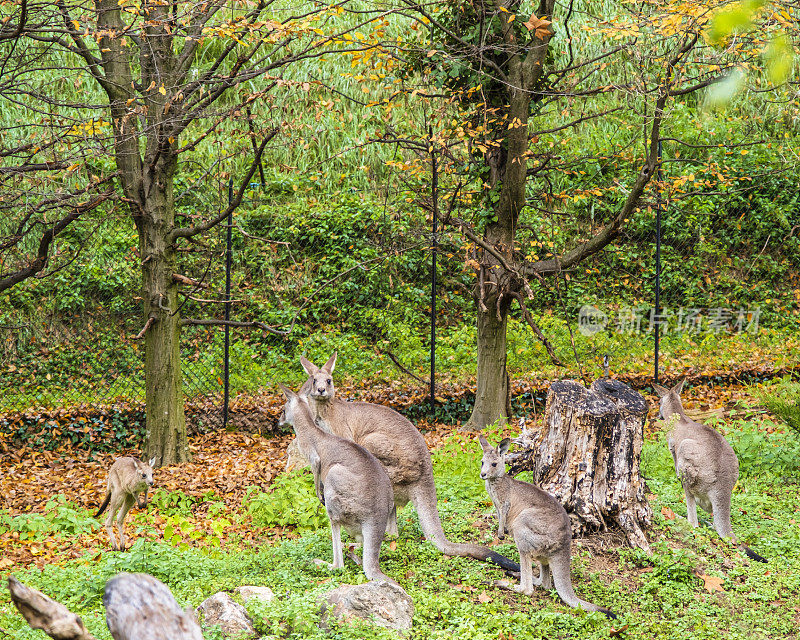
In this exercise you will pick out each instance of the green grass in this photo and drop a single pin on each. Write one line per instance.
(783, 399)
(657, 597)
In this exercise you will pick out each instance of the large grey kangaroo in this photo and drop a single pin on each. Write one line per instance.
(399, 446)
(539, 525)
(705, 463)
(349, 481)
(128, 482)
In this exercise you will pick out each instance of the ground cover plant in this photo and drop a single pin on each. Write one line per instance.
(245, 524)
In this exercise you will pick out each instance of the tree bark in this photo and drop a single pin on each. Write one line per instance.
(588, 456)
(166, 423)
(508, 165)
(492, 400)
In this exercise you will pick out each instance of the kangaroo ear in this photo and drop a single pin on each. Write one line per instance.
(502, 448)
(679, 387)
(330, 364)
(310, 367)
(152, 461)
(661, 391)
(484, 443)
(287, 392)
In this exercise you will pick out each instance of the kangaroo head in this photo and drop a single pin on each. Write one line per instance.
(493, 464)
(144, 471)
(290, 409)
(670, 399)
(320, 383)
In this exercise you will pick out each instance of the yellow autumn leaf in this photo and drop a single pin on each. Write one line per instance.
(539, 26)
(162, 90)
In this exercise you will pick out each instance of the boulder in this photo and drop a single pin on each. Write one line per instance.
(220, 610)
(379, 602)
(261, 594)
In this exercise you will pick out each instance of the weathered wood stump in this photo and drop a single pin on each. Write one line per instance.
(588, 456)
(138, 607)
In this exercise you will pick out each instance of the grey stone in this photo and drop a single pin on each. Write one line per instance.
(380, 602)
(262, 594)
(220, 610)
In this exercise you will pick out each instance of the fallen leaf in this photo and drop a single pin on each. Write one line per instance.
(484, 597)
(393, 545)
(711, 583)
(668, 513)
(615, 633)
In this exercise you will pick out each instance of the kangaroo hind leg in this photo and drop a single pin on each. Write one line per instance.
(526, 581)
(721, 506)
(373, 533)
(127, 504)
(545, 579)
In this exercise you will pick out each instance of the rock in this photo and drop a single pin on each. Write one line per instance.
(262, 594)
(294, 459)
(380, 602)
(220, 610)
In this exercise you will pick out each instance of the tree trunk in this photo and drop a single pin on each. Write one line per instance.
(588, 456)
(166, 423)
(492, 402)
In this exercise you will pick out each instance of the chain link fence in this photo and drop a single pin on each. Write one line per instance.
(355, 276)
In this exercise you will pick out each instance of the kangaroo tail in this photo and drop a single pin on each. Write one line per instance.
(752, 554)
(425, 503)
(559, 566)
(104, 505)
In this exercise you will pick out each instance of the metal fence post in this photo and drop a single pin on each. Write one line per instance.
(659, 178)
(226, 349)
(434, 246)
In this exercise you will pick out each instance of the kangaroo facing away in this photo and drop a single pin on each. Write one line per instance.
(705, 464)
(398, 445)
(349, 481)
(128, 482)
(539, 525)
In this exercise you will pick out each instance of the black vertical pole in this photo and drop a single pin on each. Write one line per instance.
(659, 177)
(225, 356)
(434, 245)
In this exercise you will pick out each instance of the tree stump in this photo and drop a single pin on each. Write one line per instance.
(588, 456)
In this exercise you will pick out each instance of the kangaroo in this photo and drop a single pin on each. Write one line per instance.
(128, 482)
(398, 445)
(350, 483)
(539, 525)
(705, 464)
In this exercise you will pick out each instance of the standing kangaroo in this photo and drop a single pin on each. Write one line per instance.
(705, 464)
(349, 481)
(128, 482)
(398, 445)
(539, 525)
